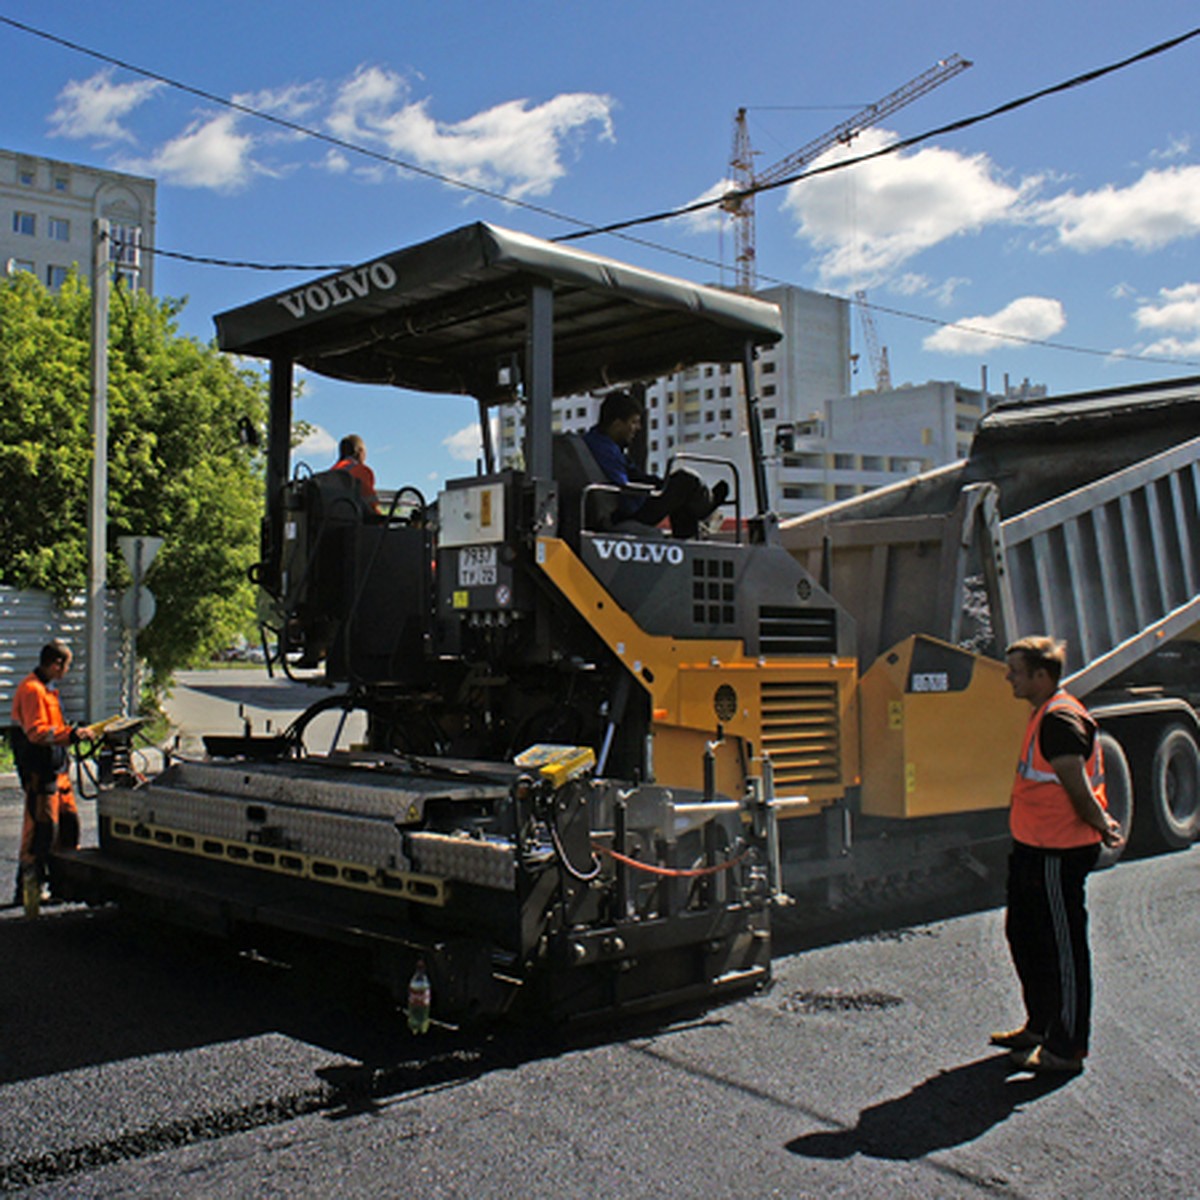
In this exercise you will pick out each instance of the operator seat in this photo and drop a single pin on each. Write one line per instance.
(575, 470)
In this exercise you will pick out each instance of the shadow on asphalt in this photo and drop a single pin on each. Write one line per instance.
(88, 987)
(949, 1109)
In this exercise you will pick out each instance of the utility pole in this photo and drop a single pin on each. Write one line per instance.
(98, 491)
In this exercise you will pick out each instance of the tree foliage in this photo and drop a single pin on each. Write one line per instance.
(177, 468)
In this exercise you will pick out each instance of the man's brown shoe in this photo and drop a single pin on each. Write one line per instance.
(1045, 1062)
(1016, 1039)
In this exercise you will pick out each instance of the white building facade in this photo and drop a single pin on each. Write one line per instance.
(811, 362)
(853, 444)
(47, 211)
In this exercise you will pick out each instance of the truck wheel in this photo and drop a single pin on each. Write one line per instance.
(1172, 790)
(1118, 785)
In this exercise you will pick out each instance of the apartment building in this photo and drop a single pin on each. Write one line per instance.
(703, 402)
(47, 210)
(849, 445)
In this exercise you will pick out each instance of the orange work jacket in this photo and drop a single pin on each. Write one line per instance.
(36, 708)
(1042, 813)
(365, 478)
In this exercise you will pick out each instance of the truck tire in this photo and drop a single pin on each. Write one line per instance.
(1118, 784)
(1170, 791)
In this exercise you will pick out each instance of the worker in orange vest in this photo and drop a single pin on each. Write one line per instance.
(352, 457)
(1059, 819)
(40, 740)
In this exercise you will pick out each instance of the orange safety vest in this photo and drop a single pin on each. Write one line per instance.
(364, 477)
(1042, 813)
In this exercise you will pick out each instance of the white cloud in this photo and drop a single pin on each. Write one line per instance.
(512, 146)
(292, 102)
(320, 444)
(1177, 146)
(1159, 208)
(867, 221)
(708, 220)
(93, 108)
(1176, 316)
(210, 153)
(1037, 317)
(465, 445)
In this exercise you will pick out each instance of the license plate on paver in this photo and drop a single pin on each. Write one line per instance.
(477, 566)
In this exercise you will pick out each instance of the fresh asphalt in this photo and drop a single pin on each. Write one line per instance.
(149, 1063)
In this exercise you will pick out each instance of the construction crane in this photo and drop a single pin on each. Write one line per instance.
(740, 205)
(878, 354)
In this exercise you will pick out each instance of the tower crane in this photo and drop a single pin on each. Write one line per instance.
(878, 354)
(741, 206)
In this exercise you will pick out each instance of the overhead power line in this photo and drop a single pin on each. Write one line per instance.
(734, 195)
(284, 123)
(617, 229)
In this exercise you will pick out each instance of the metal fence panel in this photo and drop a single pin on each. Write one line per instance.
(28, 620)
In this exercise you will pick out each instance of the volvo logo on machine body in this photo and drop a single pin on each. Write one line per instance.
(627, 550)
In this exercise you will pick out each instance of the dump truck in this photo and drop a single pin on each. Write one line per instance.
(597, 757)
(1076, 516)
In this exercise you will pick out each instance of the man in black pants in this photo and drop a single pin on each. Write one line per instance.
(1059, 820)
(683, 496)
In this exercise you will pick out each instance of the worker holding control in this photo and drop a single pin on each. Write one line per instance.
(40, 740)
(1059, 819)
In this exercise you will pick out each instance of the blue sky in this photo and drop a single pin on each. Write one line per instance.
(1073, 221)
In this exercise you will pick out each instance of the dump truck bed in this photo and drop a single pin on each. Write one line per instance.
(1078, 515)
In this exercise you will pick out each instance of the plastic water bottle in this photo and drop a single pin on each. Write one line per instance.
(420, 997)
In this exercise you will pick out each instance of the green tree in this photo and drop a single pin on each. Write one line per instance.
(177, 467)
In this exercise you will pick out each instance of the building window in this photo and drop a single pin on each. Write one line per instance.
(708, 416)
(767, 368)
(25, 177)
(726, 414)
(768, 414)
(21, 264)
(61, 183)
(653, 422)
(843, 462)
(653, 444)
(843, 491)
(24, 223)
(769, 390)
(708, 393)
(872, 462)
(59, 229)
(56, 276)
(725, 393)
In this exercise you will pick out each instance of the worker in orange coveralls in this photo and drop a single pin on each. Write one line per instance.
(40, 741)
